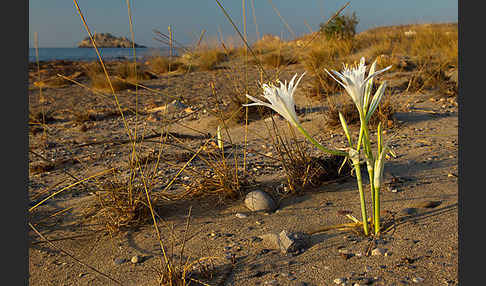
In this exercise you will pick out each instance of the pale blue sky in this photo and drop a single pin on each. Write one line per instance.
(59, 25)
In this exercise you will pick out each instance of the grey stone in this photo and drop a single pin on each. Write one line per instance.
(271, 240)
(259, 201)
(286, 242)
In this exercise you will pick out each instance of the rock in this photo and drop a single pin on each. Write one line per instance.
(378, 251)
(286, 242)
(259, 201)
(107, 40)
(271, 240)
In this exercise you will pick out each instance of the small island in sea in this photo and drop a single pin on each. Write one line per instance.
(107, 40)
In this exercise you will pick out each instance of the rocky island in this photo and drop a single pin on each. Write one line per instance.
(107, 40)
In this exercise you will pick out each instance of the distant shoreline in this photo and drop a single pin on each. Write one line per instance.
(86, 54)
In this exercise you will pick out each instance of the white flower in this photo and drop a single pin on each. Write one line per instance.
(355, 83)
(281, 99)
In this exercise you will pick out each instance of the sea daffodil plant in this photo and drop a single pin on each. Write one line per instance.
(359, 89)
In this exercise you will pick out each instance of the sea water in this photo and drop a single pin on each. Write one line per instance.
(89, 54)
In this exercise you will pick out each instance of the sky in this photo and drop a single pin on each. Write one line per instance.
(58, 24)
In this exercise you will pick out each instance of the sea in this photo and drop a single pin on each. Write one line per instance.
(89, 54)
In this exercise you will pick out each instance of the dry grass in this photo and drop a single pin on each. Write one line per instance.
(161, 65)
(204, 58)
(98, 80)
(325, 54)
(127, 70)
(277, 60)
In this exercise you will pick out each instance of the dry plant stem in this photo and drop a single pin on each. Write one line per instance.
(104, 67)
(132, 158)
(241, 36)
(282, 19)
(246, 91)
(74, 258)
(44, 129)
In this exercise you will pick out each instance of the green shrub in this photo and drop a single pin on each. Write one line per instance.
(341, 27)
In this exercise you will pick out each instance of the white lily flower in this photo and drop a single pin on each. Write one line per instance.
(355, 83)
(281, 99)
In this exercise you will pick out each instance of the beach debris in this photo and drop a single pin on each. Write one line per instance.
(259, 201)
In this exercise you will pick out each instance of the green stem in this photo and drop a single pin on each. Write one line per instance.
(361, 198)
(377, 210)
(318, 145)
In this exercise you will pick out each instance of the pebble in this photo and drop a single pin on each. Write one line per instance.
(339, 280)
(135, 259)
(241, 215)
(259, 201)
(378, 251)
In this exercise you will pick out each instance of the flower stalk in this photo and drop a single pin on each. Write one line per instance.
(359, 89)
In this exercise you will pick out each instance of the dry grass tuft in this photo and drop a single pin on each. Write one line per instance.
(121, 205)
(99, 81)
(218, 177)
(303, 170)
(204, 59)
(276, 60)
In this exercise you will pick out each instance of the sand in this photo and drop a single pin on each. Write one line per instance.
(422, 247)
